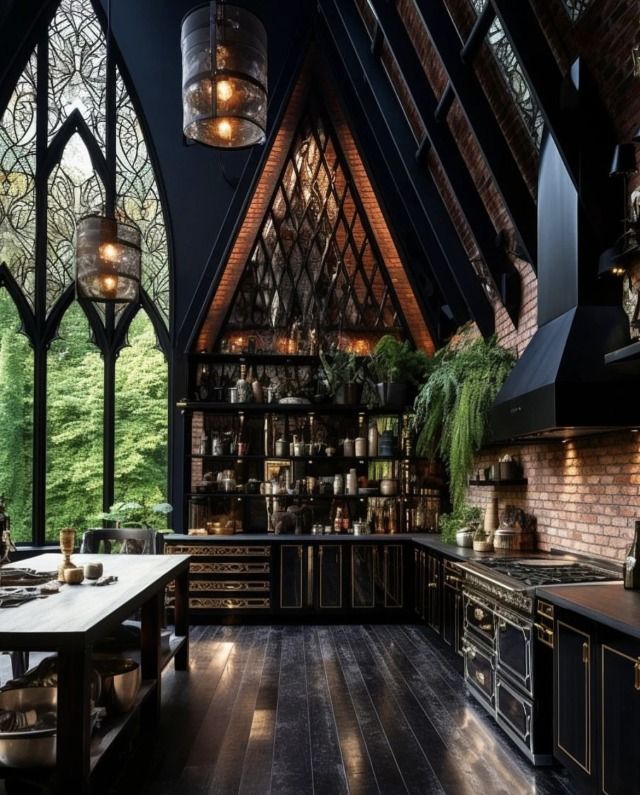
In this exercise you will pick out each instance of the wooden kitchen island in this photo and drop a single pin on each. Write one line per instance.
(73, 621)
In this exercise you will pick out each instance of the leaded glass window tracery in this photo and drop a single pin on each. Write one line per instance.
(18, 182)
(140, 200)
(77, 67)
(73, 191)
(514, 76)
(576, 8)
(71, 172)
(314, 261)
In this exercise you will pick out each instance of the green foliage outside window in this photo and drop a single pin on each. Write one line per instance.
(16, 419)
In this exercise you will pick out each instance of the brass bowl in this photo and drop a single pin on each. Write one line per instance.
(120, 682)
(28, 748)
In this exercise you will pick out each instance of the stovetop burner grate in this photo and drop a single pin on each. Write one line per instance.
(548, 572)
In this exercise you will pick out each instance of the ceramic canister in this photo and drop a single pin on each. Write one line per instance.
(361, 446)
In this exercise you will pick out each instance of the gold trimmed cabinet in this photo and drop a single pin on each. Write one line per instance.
(596, 704)
(296, 576)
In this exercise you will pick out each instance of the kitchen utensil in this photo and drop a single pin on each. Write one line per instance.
(34, 748)
(120, 682)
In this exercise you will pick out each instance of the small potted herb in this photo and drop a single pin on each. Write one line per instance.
(396, 367)
(344, 376)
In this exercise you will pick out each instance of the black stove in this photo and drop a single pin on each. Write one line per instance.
(512, 581)
(508, 640)
(543, 571)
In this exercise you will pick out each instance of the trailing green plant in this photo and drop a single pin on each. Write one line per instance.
(135, 513)
(341, 368)
(393, 360)
(451, 409)
(464, 516)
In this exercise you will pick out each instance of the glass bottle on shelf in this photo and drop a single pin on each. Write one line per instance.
(373, 440)
(243, 387)
(337, 521)
(204, 443)
(267, 435)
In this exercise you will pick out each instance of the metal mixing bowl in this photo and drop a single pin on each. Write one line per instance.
(28, 748)
(120, 682)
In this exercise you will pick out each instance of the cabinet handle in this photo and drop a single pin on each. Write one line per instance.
(542, 628)
(585, 652)
(502, 625)
(636, 675)
(432, 585)
(451, 578)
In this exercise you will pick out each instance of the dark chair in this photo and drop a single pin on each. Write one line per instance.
(132, 540)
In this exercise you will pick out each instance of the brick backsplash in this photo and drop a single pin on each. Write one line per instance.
(585, 493)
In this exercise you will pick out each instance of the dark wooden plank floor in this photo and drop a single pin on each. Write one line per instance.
(325, 710)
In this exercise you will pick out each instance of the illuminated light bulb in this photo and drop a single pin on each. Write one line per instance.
(224, 129)
(109, 285)
(224, 90)
(110, 252)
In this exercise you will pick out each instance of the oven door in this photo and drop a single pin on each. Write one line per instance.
(514, 713)
(479, 619)
(479, 673)
(514, 650)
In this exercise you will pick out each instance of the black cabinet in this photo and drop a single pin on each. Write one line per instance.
(434, 592)
(619, 700)
(596, 705)
(293, 577)
(573, 686)
(419, 582)
(329, 572)
(377, 576)
(452, 616)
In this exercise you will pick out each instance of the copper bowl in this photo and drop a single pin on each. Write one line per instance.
(35, 748)
(120, 682)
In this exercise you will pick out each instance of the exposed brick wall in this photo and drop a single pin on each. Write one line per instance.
(585, 493)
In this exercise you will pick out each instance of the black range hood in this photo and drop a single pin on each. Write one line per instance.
(561, 386)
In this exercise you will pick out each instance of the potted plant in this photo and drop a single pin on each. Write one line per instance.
(135, 514)
(452, 407)
(395, 366)
(344, 376)
(459, 526)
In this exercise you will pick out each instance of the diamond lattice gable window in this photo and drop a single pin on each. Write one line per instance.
(314, 261)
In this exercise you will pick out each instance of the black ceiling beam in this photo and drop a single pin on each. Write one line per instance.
(502, 269)
(480, 28)
(444, 312)
(484, 125)
(543, 76)
(449, 260)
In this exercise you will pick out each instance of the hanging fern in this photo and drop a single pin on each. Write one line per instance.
(452, 407)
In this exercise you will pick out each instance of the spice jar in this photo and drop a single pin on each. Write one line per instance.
(361, 446)
(282, 448)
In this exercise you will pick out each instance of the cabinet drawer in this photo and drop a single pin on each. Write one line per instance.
(229, 603)
(230, 567)
(219, 551)
(226, 586)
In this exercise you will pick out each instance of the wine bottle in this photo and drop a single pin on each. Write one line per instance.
(631, 570)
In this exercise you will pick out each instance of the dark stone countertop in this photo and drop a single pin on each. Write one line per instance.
(428, 540)
(607, 603)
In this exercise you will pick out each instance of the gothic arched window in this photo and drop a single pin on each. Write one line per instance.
(74, 420)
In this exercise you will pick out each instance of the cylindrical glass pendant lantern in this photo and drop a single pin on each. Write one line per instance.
(108, 260)
(224, 76)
